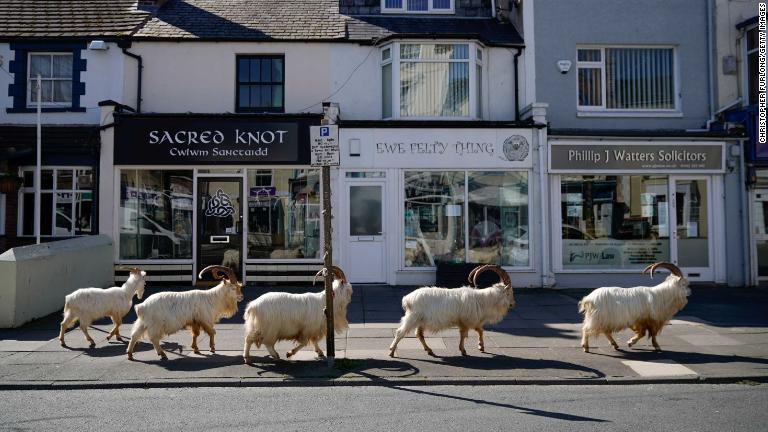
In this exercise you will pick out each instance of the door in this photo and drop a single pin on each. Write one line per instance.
(365, 252)
(761, 232)
(219, 224)
(692, 236)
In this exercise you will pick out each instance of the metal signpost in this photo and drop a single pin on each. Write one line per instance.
(325, 152)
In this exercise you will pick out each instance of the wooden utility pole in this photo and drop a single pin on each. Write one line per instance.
(330, 347)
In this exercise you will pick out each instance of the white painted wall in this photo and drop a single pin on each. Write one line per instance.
(103, 80)
(37, 278)
(728, 13)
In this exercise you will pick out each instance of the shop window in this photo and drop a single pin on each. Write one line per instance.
(626, 79)
(260, 84)
(66, 202)
(445, 210)
(614, 222)
(284, 219)
(426, 81)
(417, 6)
(155, 214)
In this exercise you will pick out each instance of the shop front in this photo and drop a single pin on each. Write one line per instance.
(618, 206)
(197, 190)
(411, 198)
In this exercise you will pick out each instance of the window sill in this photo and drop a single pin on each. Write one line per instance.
(44, 109)
(630, 114)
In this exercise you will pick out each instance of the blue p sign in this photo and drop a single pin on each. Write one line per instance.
(325, 131)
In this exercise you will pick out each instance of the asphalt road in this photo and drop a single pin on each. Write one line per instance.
(697, 407)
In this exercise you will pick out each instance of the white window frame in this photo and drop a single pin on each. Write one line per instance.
(745, 52)
(430, 10)
(54, 192)
(32, 102)
(394, 59)
(602, 110)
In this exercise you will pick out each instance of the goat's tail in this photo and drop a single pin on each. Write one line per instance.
(252, 331)
(586, 306)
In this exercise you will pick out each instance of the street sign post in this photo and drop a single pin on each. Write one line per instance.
(324, 153)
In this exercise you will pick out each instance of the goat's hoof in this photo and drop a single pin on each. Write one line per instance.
(62, 343)
(130, 356)
(92, 345)
(586, 349)
(108, 337)
(119, 339)
(431, 353)
(247, 360)
(289, 354)
(213, 350)
(392, 354)
(616, 347)
(320, 355)
(163, 358)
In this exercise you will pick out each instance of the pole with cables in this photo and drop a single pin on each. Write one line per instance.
(38, 184)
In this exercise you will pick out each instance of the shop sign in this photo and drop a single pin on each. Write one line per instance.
(201, 139)
(624, 157)
(439, 148)
(613, 254)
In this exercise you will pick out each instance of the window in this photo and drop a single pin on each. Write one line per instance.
(2, 214)
(284, 218)
(614, 222)
(417, 6)
(66, 202)
(155, 214)
(752, 66)
(626, 79)
(260, 84)
(466, 216)
(55, 71)
(431, 81)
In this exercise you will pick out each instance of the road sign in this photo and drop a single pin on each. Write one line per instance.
(324, 142)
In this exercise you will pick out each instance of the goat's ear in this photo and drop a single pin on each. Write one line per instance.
(143, 273)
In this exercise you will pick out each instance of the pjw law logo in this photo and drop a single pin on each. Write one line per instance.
(220, 205)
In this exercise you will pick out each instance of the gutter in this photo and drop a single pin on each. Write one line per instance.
(138, 81)
(517, 86)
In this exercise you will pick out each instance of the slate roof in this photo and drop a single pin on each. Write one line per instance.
(69, 18)
(246, 20)
(490, 31)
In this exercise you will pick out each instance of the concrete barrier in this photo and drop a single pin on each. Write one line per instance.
(35, 279)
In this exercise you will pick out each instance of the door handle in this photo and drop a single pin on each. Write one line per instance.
(219, 239)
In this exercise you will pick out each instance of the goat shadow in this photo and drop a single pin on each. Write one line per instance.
(682, 357)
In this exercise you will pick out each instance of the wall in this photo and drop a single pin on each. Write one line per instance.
(37, 278)
(103, 80)
(560, 26)
(728, 13)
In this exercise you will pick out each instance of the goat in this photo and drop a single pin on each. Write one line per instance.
(434, 309)
(643, 309)
(277, 316)
(166, 313)
(90, 304)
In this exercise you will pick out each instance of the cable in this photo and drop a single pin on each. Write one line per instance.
(375, 45)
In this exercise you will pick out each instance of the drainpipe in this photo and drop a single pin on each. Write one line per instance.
(138, 81)
(517, 89)
(711, 58)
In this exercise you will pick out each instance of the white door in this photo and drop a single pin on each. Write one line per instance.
(691, 241)
(760, 231)
(364, 226)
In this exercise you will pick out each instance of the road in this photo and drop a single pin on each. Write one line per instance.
(696, 407)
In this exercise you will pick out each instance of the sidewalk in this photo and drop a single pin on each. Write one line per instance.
(721, 336)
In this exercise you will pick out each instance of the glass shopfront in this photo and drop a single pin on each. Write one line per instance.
(466, 216)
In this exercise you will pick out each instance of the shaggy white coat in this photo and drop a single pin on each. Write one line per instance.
(89, 304)
(434, 309)
(643, 309)
(277, 316)
(165, 313)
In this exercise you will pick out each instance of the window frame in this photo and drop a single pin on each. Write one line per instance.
(602, 109)
(238, 108)
(745, 62)
(475, 101)
(54, 190)
(430, 9)
(30, 103)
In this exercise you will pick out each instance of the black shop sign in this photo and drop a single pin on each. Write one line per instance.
(211, 139)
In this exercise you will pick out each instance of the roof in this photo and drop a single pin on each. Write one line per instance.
(246, 20)
(487, 30)
(71, 18)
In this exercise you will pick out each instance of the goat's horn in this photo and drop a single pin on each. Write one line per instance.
(471, 277)
(496, 269)
(314, 279)
(219, 272)
(131, 269)
(339, 274)
(669, 266)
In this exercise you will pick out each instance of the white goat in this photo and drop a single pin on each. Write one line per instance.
(90, 304)
(643, 309)
(277, 316)
(166, 313)
(434, 309)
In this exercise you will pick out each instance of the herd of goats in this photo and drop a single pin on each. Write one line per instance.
(277, 316)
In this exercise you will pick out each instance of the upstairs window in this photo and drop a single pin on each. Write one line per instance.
(55, 71)
(626, 79)
(428, 81)
(752, 67)
(417, 6)
(260, 83)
